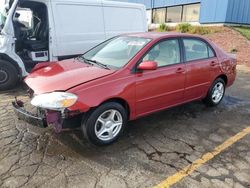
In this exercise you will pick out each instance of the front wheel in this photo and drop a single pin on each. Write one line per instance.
(215, 93)
(105, 124)
(8, 75)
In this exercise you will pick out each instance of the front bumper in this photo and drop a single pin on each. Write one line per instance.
(45, 118)
(29, 117)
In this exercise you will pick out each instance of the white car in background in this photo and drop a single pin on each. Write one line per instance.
(34, 31)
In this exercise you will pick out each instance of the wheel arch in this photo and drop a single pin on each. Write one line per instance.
(121, 101)
(224, 77)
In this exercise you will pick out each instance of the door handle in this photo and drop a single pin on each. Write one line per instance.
(180, 70)
(213, 64)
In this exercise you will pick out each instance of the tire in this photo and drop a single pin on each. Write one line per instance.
(101, 120)
(215, 93)
(8, 75)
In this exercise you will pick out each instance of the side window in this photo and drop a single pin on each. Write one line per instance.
(196, 49)
(24, 17)
(164, 53)
(210, 52)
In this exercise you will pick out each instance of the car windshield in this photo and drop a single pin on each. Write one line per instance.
(116, 52)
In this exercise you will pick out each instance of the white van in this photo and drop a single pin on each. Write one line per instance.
(34, 31)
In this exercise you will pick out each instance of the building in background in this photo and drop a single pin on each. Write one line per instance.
(197, 11)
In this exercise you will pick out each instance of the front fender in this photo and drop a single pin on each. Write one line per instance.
(93, 94)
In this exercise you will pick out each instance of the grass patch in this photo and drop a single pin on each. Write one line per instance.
(184, 27)
(200, 30)
(188, 28)
(163, 28)
(234, 50)
(245, 31)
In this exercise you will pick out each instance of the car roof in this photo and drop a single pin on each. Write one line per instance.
(158, 35)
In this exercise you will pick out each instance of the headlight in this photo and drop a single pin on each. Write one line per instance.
(54, 101)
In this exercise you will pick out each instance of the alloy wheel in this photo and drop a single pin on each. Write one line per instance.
(218, 92)
(108, 125)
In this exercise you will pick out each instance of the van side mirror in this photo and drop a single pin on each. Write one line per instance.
(147, 65)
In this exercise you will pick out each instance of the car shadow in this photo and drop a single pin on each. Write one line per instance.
(135, 130)
(182, 120)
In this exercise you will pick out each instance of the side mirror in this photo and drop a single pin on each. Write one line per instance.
(148, 65)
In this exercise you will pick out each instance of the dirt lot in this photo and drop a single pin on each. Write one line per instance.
(151, 150)
(230, 40)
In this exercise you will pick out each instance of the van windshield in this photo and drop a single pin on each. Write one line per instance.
(5, 6)
(116, 52)
(3, 16)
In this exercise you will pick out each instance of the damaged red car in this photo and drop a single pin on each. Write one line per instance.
(124, 78)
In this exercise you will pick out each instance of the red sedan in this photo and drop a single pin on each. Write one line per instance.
(125, 78)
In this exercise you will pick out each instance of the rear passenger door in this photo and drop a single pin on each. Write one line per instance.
(200, 60)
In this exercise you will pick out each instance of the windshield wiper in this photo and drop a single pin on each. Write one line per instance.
(92, 62)
(85, 60)
(98, 63)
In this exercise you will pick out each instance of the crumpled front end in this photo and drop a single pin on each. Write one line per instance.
(59, 120)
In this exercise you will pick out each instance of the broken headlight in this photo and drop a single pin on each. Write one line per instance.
(54, 100)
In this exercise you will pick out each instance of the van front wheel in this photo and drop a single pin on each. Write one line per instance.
(8, 75)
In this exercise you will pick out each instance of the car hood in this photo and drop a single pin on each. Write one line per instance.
(63, 75)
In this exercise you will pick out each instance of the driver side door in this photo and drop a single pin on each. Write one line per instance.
(163, 87)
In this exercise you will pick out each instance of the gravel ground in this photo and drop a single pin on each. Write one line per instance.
(229, 40)
(152, 148)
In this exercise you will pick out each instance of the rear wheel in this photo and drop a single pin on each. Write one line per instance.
(8, 75)
(105, 124)
(215, 93)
